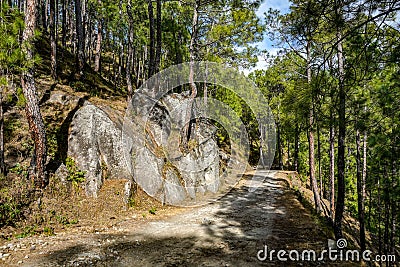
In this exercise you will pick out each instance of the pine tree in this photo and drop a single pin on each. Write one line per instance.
(36, 125)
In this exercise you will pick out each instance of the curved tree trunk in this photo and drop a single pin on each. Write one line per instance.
(36, 126)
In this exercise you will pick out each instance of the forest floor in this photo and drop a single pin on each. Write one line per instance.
(227, 232)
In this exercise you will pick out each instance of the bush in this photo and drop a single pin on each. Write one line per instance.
(15, 197)
(75, 175)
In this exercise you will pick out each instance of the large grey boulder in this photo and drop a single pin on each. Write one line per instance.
(148, 152)
(95, 145)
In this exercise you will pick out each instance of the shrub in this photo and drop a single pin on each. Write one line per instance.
(75, 175)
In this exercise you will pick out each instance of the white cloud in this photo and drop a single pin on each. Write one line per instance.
(261, 64)
(281, 5)
(266, 44)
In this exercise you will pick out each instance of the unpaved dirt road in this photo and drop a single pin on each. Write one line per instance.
(228, 232)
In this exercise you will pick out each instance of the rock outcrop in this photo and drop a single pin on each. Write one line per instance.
(149, 153)
(95, 145)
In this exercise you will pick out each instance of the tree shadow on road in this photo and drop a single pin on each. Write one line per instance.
(240, 225)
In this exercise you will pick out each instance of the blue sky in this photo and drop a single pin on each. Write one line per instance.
(266, 44)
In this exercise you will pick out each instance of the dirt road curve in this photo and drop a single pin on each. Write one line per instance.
(228, 232)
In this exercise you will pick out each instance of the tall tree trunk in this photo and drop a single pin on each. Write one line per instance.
(360, 192)
(296, 149)
(53, 39)
(84, 27)
(97, 57)
(121, 45)
(79, 37)
(36, 126)
(279, 143)
(159, 38)
(341, 142)
(43, 14)
(72, 27)
(288, 154)
(120, 59)
(332, 167)
(152, 40)
(364, 174)
(64, 24)
(129, 62)
(2, 165)
(311, 155)
(394, 204)
(321, 183)
(193, 87)
(379, 209)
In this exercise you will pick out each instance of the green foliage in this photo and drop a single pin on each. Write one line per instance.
(10, 211)
(11, 26)
(65, 220)
(75, 175)
(28, 231)
(153, 210)
(20, 169)
(131, 202)
(21, 98)
(48, 230)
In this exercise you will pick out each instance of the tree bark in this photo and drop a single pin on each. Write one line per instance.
(363, 184)
(341, 143)
(311, 155)
(159, 38)
(129, 61)
(321, 182)
(332, 168)
(360, 193)
(79, 37)
(43, 14)
(152, 40)
(2, 165)
(193, 87)
(37, 173)
(53, 39)
(97, 57)
(296, 149)
(64, 24)
(279, 143)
